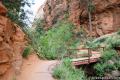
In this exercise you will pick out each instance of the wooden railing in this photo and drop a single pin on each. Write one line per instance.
(89, 51)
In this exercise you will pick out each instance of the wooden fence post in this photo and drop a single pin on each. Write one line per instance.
(89, 54)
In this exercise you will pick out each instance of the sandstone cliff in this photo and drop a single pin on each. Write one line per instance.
(12, 43)
(105, 18)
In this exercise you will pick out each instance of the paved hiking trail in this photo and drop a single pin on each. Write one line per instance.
(35, 69)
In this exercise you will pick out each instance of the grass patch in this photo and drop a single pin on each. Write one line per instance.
(65, 71)
(26, 52)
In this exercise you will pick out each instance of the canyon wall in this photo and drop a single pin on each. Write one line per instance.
(105, 18)
(12, 44)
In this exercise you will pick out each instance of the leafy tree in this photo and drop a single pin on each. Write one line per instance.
(16, 11)
(88, 5)
(39, 25)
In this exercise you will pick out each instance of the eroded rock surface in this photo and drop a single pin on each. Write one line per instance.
(105, 18)
(12, 43)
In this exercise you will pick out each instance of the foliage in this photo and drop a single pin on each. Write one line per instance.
(26, 52)
(88, 5)
(38, 24)
(16, 11)
(34, 37)
(92, 45)
(107, 55)
(117, 64)
(118, 32)
(91, 6)
(74, 43)
(104, 66)
(99, 69)
(54, 42)
(113, 41)
(66, 15)
(65, 71)
(108, 42)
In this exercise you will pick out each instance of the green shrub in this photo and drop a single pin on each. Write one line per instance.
(108, 55)
(109, 67)
(117, 64)
(108, 41)
(54, 42)
(65, 71)
(104, 66)
(118, 32)
(113, 41)
(26, 52)
(39, 24)
(58, 71)
(92, 45)
(99, 69)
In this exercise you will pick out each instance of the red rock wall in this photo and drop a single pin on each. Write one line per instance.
(12, 43)
(105, 18)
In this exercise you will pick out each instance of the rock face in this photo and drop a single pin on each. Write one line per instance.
(105, 18)
(12, 43)
(40, 13)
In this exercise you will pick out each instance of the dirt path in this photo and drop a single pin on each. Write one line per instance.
(35, 69)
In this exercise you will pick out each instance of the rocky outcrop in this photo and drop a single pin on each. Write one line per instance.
(12, 43)
(105, 18)
(40, 13)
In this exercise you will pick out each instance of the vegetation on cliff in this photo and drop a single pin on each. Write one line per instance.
(16, 11)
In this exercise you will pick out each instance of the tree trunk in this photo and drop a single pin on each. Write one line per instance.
(90, 18)
(90, 23)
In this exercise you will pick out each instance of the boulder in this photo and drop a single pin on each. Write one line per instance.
(115, 73)
(111, 62)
